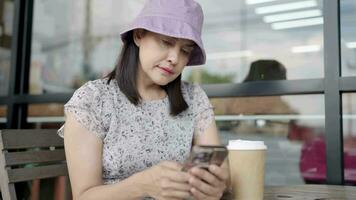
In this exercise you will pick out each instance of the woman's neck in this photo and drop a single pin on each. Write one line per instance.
(149, 90)
(149, 94)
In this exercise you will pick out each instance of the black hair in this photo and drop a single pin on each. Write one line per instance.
(125, 73)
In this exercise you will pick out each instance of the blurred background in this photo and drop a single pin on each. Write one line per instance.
(246, 41)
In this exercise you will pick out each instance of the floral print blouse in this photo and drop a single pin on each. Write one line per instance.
(138, 137)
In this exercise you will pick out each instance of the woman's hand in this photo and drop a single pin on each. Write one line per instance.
(166, 181)
(208, 184)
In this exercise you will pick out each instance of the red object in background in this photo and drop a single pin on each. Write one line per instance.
(312, 163)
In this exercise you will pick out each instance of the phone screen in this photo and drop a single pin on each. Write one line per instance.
(203, 156)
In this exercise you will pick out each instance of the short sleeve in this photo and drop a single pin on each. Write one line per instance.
(86, 106)
(203, 110)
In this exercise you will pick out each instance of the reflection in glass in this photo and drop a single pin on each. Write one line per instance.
(3, 113)
(349, 135)
(6, 19)
(45, 115)
(81, 40)
(291, 126)
(348, 37)
(238, 33)
(76, 43)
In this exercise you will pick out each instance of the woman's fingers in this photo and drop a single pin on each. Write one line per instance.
(208, 183)
(198, 194)
(167, 184)
(175, 190)
(177, 176)
(203, 187)
(176, 194)
(206, 176)
(220, 172)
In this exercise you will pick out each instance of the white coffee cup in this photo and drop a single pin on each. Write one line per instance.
(246, 162)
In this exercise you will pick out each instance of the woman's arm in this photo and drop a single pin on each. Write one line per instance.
(211, 137)
(84, 159)
(217, 177)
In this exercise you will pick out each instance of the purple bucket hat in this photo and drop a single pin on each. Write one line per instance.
(174, 18)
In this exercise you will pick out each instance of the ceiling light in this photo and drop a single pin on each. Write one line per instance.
(305, 49)
(292, 15)
(351, 45)
(285, 7)
(297, 23)
(250, 2)
(230, 54)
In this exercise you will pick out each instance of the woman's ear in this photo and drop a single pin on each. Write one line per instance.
(138, 35)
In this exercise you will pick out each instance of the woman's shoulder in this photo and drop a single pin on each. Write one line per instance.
(98, 87)
(94, 90)
(192, 92)
(192, 89)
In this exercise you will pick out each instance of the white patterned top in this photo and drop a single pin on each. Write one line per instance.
(137, 137)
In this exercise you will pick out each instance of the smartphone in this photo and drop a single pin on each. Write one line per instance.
(205, 155)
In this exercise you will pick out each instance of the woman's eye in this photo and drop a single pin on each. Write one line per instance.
(166, 42)
(185, 51)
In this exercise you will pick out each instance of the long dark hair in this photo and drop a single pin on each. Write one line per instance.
(125, 73)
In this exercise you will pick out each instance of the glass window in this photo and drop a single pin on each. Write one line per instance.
(6, 19)
(72, 45)
(348, 37)
(45, 115)
(270, 40)
(349, 135)
(79, 42)
(292, 129)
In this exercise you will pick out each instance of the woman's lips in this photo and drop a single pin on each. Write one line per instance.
(166, 70)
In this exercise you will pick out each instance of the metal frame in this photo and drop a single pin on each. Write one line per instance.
(20, 62)
(266, 88)
(333, 96)
(45, 98)
(332, 85)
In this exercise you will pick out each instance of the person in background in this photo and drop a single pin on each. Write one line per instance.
(266, 70)
(127, 135)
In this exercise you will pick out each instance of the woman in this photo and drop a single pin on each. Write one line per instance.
(127, 135)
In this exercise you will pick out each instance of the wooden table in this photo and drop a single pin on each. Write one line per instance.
(307, 192)
(310, 192)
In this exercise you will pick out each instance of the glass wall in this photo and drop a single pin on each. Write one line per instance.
(246, 40)
(349, 131)
(348, 37)
(271, 40)
(348, 55)
(242, 39)
(292, 127)
(6, 20)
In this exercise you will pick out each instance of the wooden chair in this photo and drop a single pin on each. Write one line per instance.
(29, 154)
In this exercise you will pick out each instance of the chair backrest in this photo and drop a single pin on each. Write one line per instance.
(29, 154)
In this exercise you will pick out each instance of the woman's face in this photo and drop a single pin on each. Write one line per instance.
(162, 58)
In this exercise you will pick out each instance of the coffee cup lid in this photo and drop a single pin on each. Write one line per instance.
(246, 145)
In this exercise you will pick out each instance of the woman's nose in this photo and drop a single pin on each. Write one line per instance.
(173, 55)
